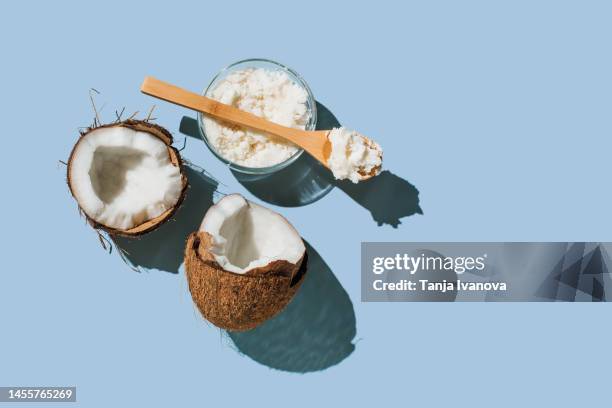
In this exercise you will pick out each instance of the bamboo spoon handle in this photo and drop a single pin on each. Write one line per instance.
(179, 96)
(316, 142)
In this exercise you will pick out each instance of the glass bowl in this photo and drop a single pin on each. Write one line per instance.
(311, 108)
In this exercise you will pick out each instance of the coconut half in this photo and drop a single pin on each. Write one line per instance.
(126, 177)
(244, 264)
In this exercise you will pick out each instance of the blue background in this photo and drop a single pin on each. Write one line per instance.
(497, 112)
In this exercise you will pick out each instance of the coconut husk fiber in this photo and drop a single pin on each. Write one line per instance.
(175, 158)
(238, 302)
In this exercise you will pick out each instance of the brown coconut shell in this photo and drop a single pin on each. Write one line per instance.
(238, 302)
(175, 158)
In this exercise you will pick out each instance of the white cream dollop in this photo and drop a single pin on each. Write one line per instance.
(353, 155)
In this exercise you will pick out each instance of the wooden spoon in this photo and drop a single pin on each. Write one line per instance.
(314, 142)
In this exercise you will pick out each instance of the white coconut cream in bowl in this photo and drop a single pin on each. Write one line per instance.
(269, 90)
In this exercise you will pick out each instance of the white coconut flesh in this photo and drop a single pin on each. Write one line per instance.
(247, 236)
(122, 177)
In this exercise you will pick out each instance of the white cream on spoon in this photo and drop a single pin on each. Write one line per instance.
(353, 156)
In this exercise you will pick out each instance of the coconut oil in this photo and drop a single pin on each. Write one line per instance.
(353, 156)
(267, 93)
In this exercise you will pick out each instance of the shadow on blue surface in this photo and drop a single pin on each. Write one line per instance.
(164, 247)
(387, 196)
(314, 332)
(297, 185)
